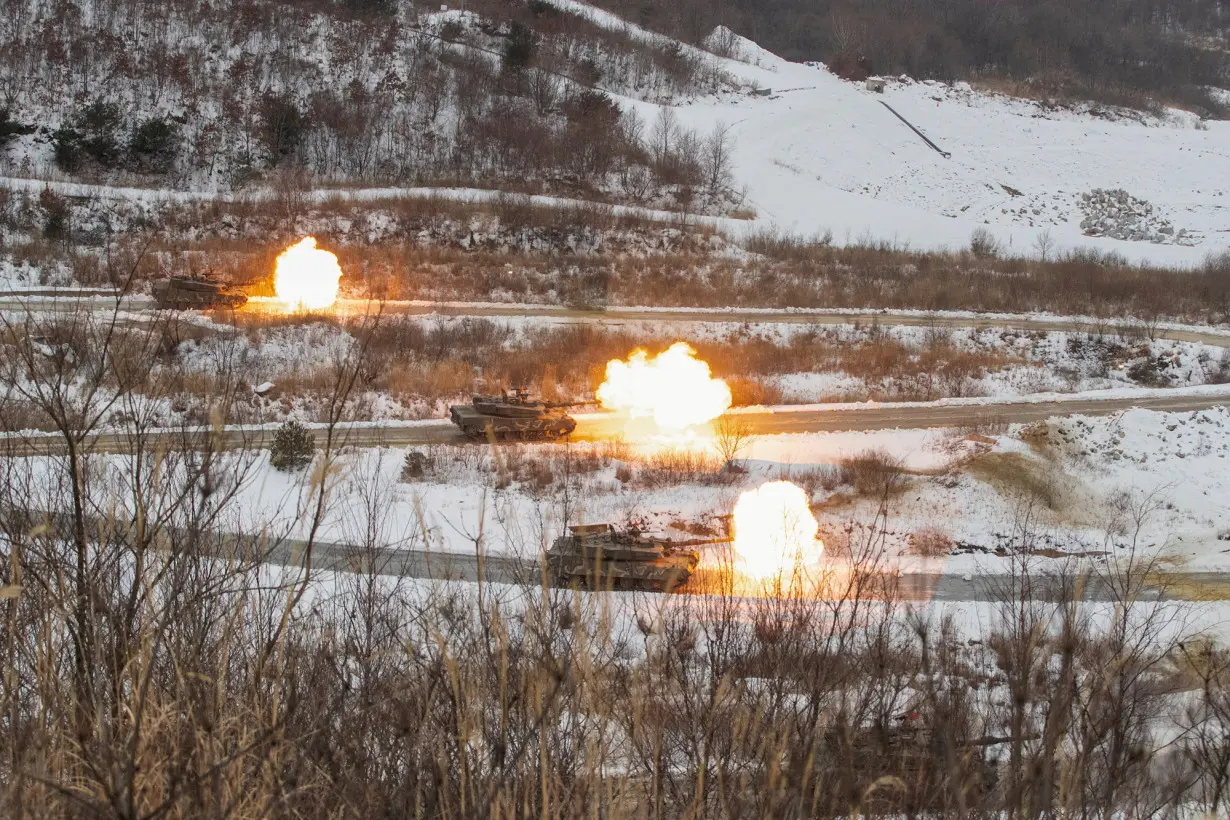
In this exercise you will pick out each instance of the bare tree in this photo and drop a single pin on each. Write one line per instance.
(731, 435)
(717, 163)
(1044, 244)
(662, 136)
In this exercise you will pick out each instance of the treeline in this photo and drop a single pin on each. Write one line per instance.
(1118, 51)
(512, 94)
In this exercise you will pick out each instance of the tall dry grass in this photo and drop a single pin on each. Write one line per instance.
(168, 653)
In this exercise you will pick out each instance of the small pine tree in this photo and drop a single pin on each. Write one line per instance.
(293, 447)
(284, 126)
(58, 215)
(153, 145)
(519, 49)
(68, 152)
(416, 466)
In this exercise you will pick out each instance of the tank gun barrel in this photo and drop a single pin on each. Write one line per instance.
(556, 405)
(701, 542)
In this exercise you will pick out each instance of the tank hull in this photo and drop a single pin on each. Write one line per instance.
(540, 427)
(191, 294)
(661, 575)
(598, 557)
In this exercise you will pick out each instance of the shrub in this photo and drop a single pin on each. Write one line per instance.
(752, 392)
(371, 8)
(416, 466)
(519, 48)
(593, 108)
(851, 67)
(66, 149)
(153, 145)
(825, 477)
(99, 125)
(731, 435)
(57, 213)
(930, 542)
(1150, 371)
(91, 134)
(983, 245)
(1218, 372)
(283, 127)
(293, 447)
(871, 472)
(541, 8)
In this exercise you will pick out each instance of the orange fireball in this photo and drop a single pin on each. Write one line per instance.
(306, 277)
(674, 389)
(775, 532)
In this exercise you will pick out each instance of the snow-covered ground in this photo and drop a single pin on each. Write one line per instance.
(517, 501)
(18, 276)
(1077, 484)
(1067, 487)
(1181, 459)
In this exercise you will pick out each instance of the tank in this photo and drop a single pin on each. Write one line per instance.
(196, 292)
(597, 556)
(513, 415)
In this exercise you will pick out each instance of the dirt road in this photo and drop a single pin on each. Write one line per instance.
(41, 302)
(760, 422)
(918, 587)
(599, 427)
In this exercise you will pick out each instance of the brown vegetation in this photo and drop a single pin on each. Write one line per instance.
(416, 360)
(592, 256)
(873, 473)
(930, 542)
(141, 676)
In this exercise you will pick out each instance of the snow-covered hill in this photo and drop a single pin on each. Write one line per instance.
(816, 155)
(820, 154)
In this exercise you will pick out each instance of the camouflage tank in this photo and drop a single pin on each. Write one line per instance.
(513, 415)
(196, 292)
(597, 556)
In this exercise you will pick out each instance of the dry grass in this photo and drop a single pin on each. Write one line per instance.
(930, 542)
(872, 473)
(145, 677)
(676, 467)
(416, 359)
(1020, 475)
(658, 266)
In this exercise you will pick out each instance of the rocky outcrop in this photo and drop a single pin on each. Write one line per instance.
(1119, 215)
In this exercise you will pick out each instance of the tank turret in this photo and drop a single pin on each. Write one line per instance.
(597, 556)
(514, 414)
(196, 292)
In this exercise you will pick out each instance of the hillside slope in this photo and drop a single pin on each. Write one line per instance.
(822, 154)
(809, 153)
(241, 93)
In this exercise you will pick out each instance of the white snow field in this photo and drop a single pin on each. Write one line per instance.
(1070, 478)
(821, 154)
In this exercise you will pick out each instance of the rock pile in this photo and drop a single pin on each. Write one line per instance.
(1119, 215)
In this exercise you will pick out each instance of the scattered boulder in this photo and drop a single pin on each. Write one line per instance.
(1119, 215)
